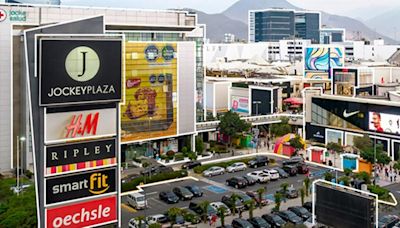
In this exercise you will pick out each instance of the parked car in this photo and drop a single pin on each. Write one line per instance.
(290, 169)
(134, 223)
(250, 181)
(293, 160)
(241, 223)
(282, 173)
(236, 182)
(397, 225)
(137, 200)
(217, 205)
(308, 223)
(196, 207)
(274, 175)
(156, 169)
(308, 206)
(260, 176)
(195, 190)
(301, 212)
(258, 222)
(388, 221)
(289, 216)
(228, 201)
(183, 193)
(245, 199)
(235, 167)
(159, 218)
(258, 161)
(168, 197)
(254, 195)
(213, 171)
(129, 178)
(191, 164)
(274, 220)
(289, 193)
(302, 168)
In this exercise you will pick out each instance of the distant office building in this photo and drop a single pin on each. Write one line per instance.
(332, 35)
(229, 38)
(40, 2)
(279, 24)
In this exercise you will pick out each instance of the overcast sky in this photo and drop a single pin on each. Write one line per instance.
(353, 8)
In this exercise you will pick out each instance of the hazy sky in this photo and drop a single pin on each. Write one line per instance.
(355, 8)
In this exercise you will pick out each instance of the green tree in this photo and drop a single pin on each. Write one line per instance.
(199, 145)
(369, 152)
(345, 180)
(284, 186)
(278, 201)
(233, 200)
(172, 213)
(204, 209)
(297, 142)
(347, 171)
(363, 176)
(397, 165)
(261, 192)
(221, 213)
(328, 176)
(282, 128)
(307, 183)
(232, 126)
(334, 147)
(302, 195)
(250, 205)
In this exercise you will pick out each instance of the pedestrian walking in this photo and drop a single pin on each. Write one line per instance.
(395, 176)
(391, 176)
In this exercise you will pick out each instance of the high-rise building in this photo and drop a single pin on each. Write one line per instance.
(332, 35)
(279, 24)
(40, 2)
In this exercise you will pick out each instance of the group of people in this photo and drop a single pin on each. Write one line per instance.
(388, 172)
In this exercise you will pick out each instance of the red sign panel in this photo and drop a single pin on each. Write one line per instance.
(76, 127)
(83, 214)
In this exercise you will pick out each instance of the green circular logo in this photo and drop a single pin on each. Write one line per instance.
(82, 64)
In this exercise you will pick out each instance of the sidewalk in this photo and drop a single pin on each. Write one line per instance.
(257, 212)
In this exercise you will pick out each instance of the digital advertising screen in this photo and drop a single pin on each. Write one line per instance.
(150, 108)
(319, 61)
(384, 123)
(240, 104)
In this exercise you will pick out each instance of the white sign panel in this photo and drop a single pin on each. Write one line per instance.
(70, 126)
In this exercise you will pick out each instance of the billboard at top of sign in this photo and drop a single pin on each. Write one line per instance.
(79, 71)
(240, 104)
(83, 214)
(67, 125)
(319, 60)
(384, 123)
(150, 108)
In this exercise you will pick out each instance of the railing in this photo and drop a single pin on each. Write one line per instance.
(255, 120)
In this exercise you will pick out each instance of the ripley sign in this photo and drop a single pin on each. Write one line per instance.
(79, 71)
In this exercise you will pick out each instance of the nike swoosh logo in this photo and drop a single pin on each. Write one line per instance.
(347, 115)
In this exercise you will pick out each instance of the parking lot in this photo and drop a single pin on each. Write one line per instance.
(213, 188)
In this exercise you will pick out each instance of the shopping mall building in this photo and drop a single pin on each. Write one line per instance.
(176, 30)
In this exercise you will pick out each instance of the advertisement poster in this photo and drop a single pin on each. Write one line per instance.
(320, 60)
(150, 109)
(240, 104)
(384, 123)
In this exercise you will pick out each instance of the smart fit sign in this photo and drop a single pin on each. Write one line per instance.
(77, 186)
(79, 71)
(83, 214)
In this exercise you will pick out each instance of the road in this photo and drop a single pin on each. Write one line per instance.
(214, 188)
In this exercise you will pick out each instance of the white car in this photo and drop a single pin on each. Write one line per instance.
(134, 223)
(217, 205)
(238, 166)
(159, 218)
(260, 176)
(213, 171)
(274, 174)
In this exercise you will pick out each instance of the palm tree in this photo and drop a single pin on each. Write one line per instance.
(204, 208)
(302, 194)
(284, 186)
(250, 205)
(261, 192)
(173, 212)
(307, 182)
(278, 200)
(221, 213)
(233, 200)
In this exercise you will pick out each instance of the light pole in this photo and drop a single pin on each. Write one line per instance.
(257, 103)
(19, 140)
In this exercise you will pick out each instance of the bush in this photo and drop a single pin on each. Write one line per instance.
(363, 176)
(179, 157)
(200, 169)
(382, 193)
(163, 157)
(192, 156)
(345, 180)
(170, 154)
(184, 150)
(130, 186)
(28, 174)
(272, 161)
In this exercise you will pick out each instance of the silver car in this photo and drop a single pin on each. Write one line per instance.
(213, 171)
(235, 167)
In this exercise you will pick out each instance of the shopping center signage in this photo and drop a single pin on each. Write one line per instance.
(78, 186)
(80, 156)
(89, 213)
(79, 71)
(76, 125)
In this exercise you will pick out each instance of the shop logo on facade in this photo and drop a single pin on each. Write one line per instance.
(151, 53)
(17, 15)
(349, 114)
(168, 53)
(77, 127)
(318, 135)
(131, 83)
(3, 15)
(80, 185)
(82, 64)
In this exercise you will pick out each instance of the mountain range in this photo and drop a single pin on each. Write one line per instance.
(234, 20)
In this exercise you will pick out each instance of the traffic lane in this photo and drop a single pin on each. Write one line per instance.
(389, 210)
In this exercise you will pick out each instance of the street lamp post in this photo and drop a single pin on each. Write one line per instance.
(257, 103)
(19, 140)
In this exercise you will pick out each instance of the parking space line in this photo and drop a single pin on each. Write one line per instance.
(151, 193)
(128, 208)
(156, 200)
